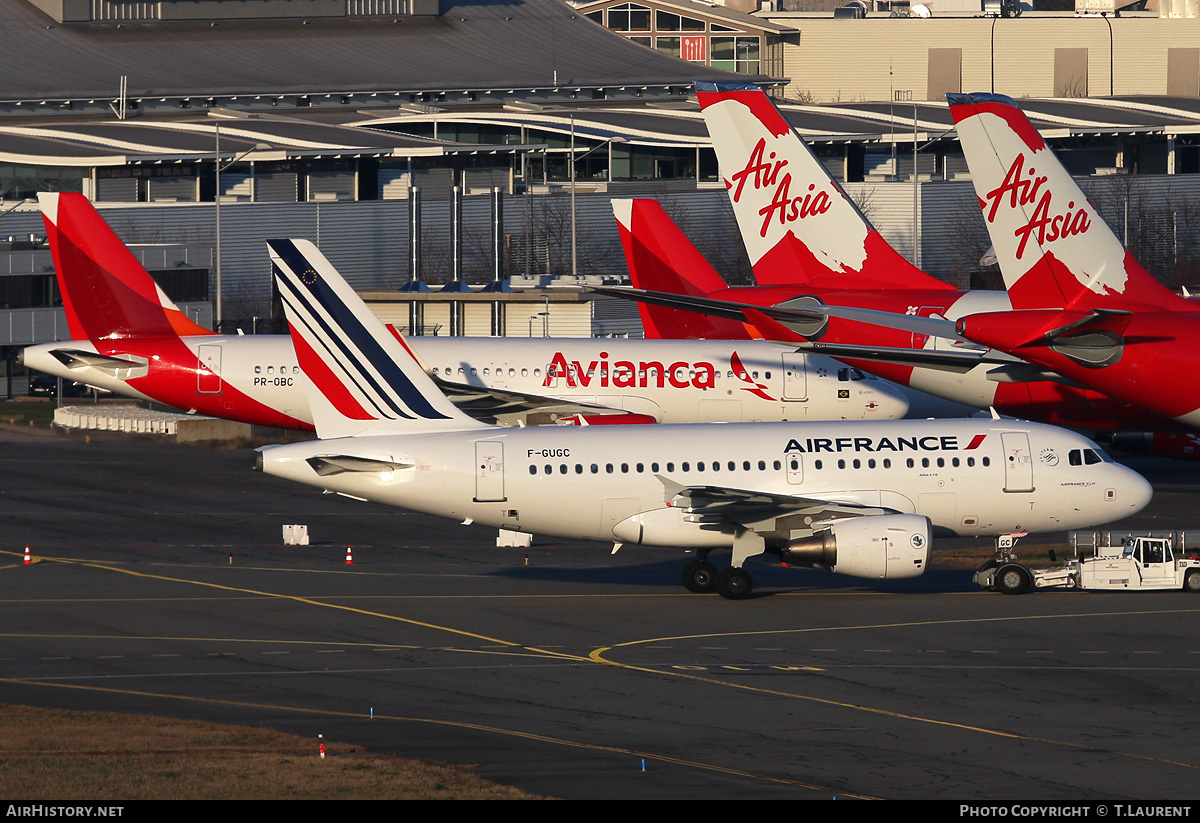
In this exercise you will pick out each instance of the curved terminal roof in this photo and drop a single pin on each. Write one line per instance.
(488, 47)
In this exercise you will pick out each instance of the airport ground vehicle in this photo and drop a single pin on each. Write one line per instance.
(1122, 561)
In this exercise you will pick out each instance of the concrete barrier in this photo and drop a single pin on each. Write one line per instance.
(185, 428)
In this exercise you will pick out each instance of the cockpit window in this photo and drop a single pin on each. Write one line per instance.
(847, 374)
(1087, 457)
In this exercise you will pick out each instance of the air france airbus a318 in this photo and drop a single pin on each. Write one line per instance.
(130, 339)
(860, 498)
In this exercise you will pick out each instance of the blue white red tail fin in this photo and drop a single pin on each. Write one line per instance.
(799, 226)
(1054, 249)
(661, 258)
(106, 292)
(363, 379)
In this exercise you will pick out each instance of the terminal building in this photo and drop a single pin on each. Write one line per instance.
(202, 129)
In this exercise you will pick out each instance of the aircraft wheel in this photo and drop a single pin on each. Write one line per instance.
(734, 584)
(700, 576)
(1191, 583)
(1012, 579)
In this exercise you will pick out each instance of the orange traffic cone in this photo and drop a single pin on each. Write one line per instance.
(28, 557)
(349, 557)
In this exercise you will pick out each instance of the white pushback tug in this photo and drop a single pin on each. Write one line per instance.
(1121, 561)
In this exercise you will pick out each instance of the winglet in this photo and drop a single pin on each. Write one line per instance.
(1054, 249)
(798, 224)
(363, 380)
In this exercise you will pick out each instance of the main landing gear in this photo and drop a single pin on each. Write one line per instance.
(702, 577)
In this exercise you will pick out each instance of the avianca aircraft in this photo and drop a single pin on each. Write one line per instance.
(860, 498)
(129, 338)
(1082, 305)
(809, 243)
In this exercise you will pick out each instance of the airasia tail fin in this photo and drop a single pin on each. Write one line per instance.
(1054, 249)
(661, 258)
(799, 226)
(106, 292)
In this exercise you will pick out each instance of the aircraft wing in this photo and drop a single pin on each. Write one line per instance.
(507, 407)
(761, 511)
(805, 312)
(775, 323)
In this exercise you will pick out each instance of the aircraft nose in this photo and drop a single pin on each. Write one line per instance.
(1134, 490)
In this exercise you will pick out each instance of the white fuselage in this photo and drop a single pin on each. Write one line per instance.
(969, 477)
(672, 381)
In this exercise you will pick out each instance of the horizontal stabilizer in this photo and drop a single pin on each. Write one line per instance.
(326, 465)
(77, 359)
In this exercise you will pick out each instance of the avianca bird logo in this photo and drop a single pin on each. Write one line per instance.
(739, 371)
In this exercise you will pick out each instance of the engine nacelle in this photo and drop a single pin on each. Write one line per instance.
(876, 546)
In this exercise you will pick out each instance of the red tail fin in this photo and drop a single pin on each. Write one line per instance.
(661, 258)
(106, 292)
(1054, 248)
(799, 226)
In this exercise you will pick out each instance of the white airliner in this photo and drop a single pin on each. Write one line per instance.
(130, 339)
(860, 498)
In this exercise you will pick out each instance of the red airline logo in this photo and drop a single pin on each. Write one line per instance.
(766, 173)
(626, 374)
(1023, 192)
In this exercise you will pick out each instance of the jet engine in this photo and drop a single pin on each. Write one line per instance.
(877, 546)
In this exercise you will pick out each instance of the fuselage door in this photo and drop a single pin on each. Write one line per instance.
(794, 464)
(795, 376)
(208, 373)
(1018, 464)
(489, 471)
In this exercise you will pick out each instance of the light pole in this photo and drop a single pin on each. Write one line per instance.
(606, 143)
(219, 167)
(26, 202)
